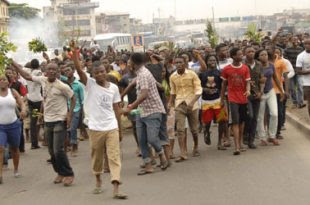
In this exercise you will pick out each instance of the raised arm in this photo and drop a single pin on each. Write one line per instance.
(21, 71)
(77, 64)
(203, 66)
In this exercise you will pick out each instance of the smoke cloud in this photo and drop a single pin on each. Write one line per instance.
(21, 31)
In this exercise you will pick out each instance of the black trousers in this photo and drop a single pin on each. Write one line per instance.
(33, 122)
(280, 114)
(251, 122)
(56, 133)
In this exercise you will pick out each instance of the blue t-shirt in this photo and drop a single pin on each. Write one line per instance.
(268, 73)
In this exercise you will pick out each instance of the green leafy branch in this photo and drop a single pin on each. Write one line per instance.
(5, 48)
(37, 46)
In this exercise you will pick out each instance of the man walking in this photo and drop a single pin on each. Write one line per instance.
(185, 91)
(57, 118)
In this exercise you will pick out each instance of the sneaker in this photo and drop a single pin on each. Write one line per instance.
(207, 138)
(35, 147)
(252, 146)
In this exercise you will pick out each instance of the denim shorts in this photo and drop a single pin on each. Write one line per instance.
(10, 134)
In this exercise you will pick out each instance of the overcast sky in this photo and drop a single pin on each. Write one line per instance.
(189, 9)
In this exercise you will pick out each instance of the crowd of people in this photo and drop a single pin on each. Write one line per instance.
(242, 87)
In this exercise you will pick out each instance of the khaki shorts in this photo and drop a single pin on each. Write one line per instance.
(181, 113)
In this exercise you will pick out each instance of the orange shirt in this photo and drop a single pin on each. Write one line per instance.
(280, 69)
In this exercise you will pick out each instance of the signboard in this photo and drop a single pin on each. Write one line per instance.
(225, 19)
(138, 42)
(236, 18)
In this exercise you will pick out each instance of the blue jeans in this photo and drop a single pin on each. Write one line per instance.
(74, 126)
(6, 155)
(296, 90)
(148, 133)
(163, 133)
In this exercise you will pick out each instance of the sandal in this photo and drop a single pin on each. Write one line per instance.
(68, 181)
(180, 159)
(120, 196)
(242, 149)
(227, 144)
(58, 179)
(17, 174)
(221, 147)
(164, 165)
(263, 143)
(97, 190)
(275, 142)
(196, 153)
(145, 172)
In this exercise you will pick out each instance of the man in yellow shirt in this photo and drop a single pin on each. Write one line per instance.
(185, 92)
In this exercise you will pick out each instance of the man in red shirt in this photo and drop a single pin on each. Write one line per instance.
(237, 77)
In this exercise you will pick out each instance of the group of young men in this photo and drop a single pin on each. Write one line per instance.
(167, 93)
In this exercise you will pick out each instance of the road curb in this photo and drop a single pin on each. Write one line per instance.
(302, 126)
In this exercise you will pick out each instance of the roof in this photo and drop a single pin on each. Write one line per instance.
(110, 35)
(112, 13)
(5, 1)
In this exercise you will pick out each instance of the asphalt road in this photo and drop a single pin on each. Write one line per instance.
(269, 175)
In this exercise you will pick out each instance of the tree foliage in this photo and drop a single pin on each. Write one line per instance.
(212, 35)
(5, 48)
(23, 11)
(253, 34)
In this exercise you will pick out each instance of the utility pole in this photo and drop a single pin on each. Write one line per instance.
(213, 18)
(175, 9)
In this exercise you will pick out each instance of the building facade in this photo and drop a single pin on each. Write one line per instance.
(4, 15)
(75, 18)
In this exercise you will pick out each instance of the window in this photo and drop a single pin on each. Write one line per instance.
(84, 22)
(68, 12)
(83, 11)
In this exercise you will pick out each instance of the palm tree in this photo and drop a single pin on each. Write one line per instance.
(212, 35)
(253, 34)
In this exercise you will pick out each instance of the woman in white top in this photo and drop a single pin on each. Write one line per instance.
(10, 126)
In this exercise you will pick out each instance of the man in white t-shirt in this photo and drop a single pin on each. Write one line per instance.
(57, 119)
(303, 69)
(35, 98)
(102, 107)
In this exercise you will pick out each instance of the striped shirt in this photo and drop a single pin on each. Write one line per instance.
(292, 53)
(152, 104)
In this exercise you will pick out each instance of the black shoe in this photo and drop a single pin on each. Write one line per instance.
(301, 106)
(49, 161)
(207, 138)
(252, 146)
(35, 147)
